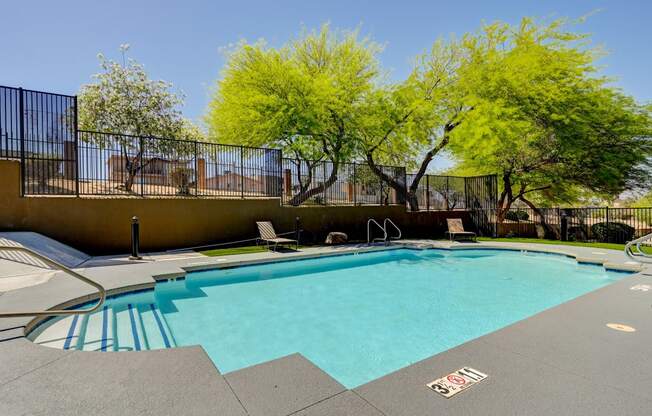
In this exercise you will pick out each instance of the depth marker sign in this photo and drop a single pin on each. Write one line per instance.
(456, 381)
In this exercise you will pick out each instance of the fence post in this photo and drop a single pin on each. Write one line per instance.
(608, 227)
(466, 193)
(427, 192)
(196, 170)
(380, 202)
(355, 184)
(141, 144)
(21, 133)
(242, 172)
(323, 192)
(279, 175)
(76, 133)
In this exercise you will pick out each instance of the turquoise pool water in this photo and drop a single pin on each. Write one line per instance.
(358, 317)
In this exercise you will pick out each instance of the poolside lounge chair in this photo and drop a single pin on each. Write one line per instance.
(268, 235)
(456, 228)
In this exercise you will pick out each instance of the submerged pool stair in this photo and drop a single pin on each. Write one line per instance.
(125, 328)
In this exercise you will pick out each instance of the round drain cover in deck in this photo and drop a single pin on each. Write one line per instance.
(621, 327)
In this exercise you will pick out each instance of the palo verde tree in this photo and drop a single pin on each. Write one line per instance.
(123, 100)
(307, 98)
(544, 120)
(409, 123)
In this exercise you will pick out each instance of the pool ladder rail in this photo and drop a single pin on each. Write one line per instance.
(59, 266)
(638, 254)
(386, 238)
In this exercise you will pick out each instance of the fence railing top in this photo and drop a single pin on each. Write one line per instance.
(133, 136)
(36, 91)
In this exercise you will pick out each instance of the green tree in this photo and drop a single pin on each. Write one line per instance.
(410, 122)
(544, 120)
(123, 100)
(307, 98)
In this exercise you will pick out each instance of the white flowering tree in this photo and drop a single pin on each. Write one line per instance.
(122, 99)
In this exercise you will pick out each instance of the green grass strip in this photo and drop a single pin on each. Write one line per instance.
(238, 250)
(609, 246)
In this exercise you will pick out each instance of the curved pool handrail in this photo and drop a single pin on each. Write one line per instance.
(57, 265)
(373, 221)
(637, 243)
(398, 237)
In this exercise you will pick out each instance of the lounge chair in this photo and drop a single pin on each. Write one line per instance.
(456, 228)
(268, 235)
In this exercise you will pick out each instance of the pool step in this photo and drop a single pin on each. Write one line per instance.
(125, 328)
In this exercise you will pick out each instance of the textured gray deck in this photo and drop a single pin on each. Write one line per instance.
(163, 382)
(281, 387)
(561, 361)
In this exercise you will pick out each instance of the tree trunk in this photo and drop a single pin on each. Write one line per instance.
(547, 227)
(132, 166)
(401, 189)
(410, 193)
(306, 194)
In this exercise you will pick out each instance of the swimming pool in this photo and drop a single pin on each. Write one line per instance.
(357, 317)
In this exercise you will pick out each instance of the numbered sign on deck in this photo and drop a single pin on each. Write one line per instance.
(456, 381)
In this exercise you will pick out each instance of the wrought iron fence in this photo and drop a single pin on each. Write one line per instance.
(449, 193)
(117, 164)
(324, 183)
(39, 128)
(10, 122)
(587, 224)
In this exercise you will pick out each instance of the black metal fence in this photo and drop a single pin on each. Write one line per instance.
(117, 164)
(40, 129)
(587, 224)
(323, 183)
(436, 192)
(448, 193)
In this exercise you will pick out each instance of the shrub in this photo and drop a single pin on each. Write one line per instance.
(577, 233)
(518, 215)
(614, 232)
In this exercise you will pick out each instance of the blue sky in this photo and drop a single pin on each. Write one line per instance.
(52, 45)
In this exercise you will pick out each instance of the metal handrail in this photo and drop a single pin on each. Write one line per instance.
(637, 242)
(369, 222)
(387, 220)
(56, 312)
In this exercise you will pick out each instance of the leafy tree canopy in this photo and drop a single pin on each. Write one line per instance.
(323, 97)
(124, 100)
(307, 97)
(544, 120)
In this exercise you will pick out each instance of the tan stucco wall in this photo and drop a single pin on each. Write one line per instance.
(102, 225)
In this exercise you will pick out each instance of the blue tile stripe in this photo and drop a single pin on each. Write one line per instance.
(105, 327)
(166, 341)
(71, 333)
(134, 331)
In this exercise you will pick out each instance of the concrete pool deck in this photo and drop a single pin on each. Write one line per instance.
(564, 360)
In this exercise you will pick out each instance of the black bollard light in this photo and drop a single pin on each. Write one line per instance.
(135, 239)
(297, 230)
